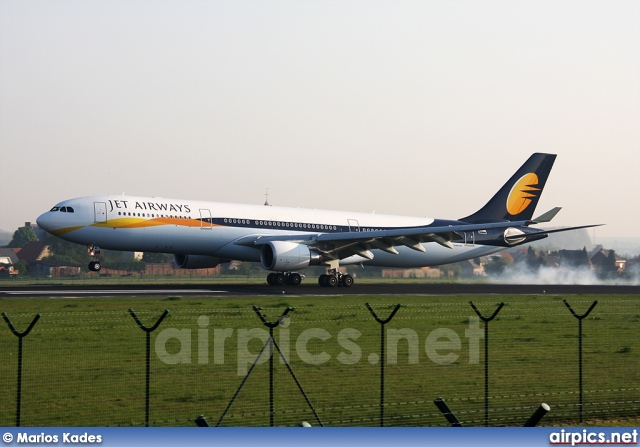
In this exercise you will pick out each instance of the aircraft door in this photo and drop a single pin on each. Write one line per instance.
(353, 225)
(206, 221)
(469, 238)
(99, 212)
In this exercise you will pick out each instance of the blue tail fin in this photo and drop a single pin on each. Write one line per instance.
(517, 199)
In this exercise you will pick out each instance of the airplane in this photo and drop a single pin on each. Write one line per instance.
(286, 240)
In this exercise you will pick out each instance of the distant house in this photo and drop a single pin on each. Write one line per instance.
(633, 266)
(422, 273)
(54, 269)
(34, 251)
(159, 269)
(131, 255)
(575, 258)
(8, 271)
(508, 257)
(519, 255)
(550, 261)
(8, 256)
(599, 256)
(472, 267)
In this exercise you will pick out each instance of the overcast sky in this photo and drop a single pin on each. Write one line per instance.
(402, 107)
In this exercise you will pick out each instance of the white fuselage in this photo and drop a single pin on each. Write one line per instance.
(161, 225)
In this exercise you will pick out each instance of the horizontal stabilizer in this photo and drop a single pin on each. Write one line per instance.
(546, 217)
(557, 230)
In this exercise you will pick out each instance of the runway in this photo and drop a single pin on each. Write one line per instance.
(380, 289)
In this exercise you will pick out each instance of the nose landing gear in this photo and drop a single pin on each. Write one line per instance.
(94, 265)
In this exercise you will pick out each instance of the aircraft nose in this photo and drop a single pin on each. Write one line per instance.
(52, 221)
(44, 221)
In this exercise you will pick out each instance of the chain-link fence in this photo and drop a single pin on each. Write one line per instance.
(343, 366)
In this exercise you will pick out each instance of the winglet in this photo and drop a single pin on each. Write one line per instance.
(546, 217)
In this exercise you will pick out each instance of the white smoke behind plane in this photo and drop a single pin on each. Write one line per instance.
(520, 273)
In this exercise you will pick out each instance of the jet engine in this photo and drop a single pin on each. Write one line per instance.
(196, 261)
(285, 256)
(513, 236)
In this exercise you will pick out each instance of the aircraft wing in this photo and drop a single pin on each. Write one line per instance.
(344, 245)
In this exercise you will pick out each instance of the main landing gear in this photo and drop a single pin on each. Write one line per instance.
(284, 278)
(334, 278)
(94, 265)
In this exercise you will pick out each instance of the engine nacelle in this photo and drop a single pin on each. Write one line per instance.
(513, 236)
(285, 256)
(196, 261)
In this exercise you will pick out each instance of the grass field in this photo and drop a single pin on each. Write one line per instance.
(84, 362)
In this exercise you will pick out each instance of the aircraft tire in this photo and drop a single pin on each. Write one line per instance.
(295, 279)
(95, 266)
(271, 279)
(347, 280)
(332, 280)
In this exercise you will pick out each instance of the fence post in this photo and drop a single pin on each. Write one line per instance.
(486, 357)
(537, 415)
(580, 318)
(233, 399)
(271, 342)
(446, 412)
(20, 336)
(148, 330)
(201, 421)
(271, 325)
(382, 354)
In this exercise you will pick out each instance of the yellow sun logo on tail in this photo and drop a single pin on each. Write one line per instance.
(521, 194)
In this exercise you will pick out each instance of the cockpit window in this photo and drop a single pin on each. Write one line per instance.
(63, 209)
